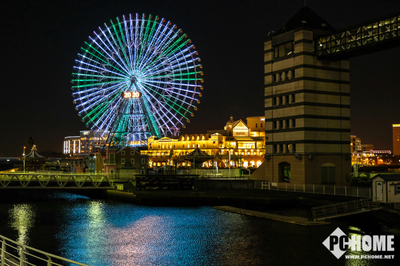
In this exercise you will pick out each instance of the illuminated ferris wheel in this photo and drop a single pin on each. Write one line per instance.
(135, 78)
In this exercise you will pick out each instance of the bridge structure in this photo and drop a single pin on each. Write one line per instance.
(20, 180)
(367, 37)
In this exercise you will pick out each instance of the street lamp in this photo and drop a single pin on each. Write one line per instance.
(24, 158)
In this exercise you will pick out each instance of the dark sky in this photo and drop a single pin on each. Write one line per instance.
(40, 41)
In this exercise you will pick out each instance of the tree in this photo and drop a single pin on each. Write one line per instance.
(31, 141)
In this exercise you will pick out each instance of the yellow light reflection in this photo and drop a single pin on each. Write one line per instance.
(22, 218)
(358, 233)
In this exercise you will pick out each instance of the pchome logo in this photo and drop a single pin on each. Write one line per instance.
(338, 243)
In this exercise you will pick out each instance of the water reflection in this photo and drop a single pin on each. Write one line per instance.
(106, 232)
(22, 218)
(357, 233)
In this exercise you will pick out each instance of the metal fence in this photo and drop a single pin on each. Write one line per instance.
(13, 253)
(362, 192)
(343, 208)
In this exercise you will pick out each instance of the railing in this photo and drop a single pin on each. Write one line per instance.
(65, 181)
(13, 253)
(217, 174)
(343, 209)
(361, 192)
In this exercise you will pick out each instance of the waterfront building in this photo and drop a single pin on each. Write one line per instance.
(122, 162)
(237, 145)
(95, 163)
(307, 107)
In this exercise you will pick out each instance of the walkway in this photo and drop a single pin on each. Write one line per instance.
(286, 219)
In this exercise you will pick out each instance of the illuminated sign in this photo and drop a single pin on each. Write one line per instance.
(131, 94)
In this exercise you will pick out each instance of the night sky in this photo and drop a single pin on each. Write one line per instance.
(40, 41)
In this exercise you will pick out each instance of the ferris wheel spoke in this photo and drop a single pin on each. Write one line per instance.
(173, 64)
(153, 54)
(98, 93)
(95, 89)
(175, 91)
(96, 104)
(98, 110)
(91, 68)
(111, 53)
(128, 38)
(102, 56)
(167, 102)
(160, 108)
(121, 41)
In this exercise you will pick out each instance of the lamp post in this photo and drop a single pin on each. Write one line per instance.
(24, 158)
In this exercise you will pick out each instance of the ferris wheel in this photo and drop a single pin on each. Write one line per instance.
(137, 77)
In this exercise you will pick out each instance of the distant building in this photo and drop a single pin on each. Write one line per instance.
(87, 142)
(367, 147)
(355, 144)
(396, 139)
(72, 145)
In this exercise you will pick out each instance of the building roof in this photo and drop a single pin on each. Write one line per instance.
(307, 18)
(388, 177)
(33, 154)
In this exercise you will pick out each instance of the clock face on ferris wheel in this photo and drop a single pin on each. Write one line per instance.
(137, 77)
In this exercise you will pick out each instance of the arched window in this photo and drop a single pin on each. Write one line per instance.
(328, 173)
(284, 172)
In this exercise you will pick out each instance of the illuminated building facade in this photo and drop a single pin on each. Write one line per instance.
(86, 143)
(238, 144)
(72, 145)
(307, 107)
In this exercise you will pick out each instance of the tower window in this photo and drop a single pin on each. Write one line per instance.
(283, 50)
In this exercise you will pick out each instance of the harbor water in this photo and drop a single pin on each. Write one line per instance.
(108, 232)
